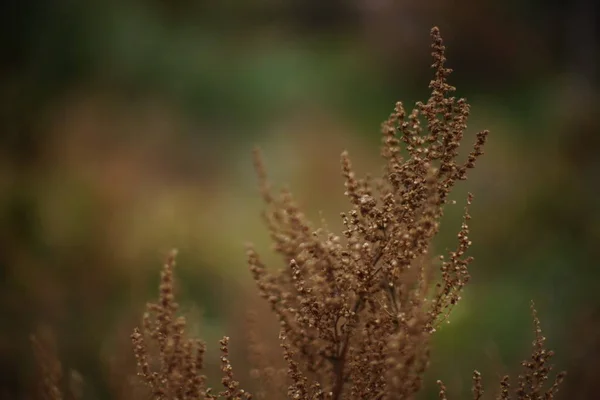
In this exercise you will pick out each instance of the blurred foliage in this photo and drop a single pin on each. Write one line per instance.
(126, 129)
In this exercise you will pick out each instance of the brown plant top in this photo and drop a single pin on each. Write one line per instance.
(357, 310)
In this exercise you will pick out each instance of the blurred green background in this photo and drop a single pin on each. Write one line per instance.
(126, 129)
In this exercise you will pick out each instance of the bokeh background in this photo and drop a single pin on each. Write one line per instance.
(127, 126)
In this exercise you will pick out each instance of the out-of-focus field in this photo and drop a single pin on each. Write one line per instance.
(127, 129)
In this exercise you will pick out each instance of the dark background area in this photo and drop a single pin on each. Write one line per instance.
(126, 129)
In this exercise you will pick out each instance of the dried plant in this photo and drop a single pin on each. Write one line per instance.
(50, 371)
(357, 310)
(531, 382)
(180, 359)
(49, 367)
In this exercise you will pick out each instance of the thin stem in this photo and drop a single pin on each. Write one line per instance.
(340, 362)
